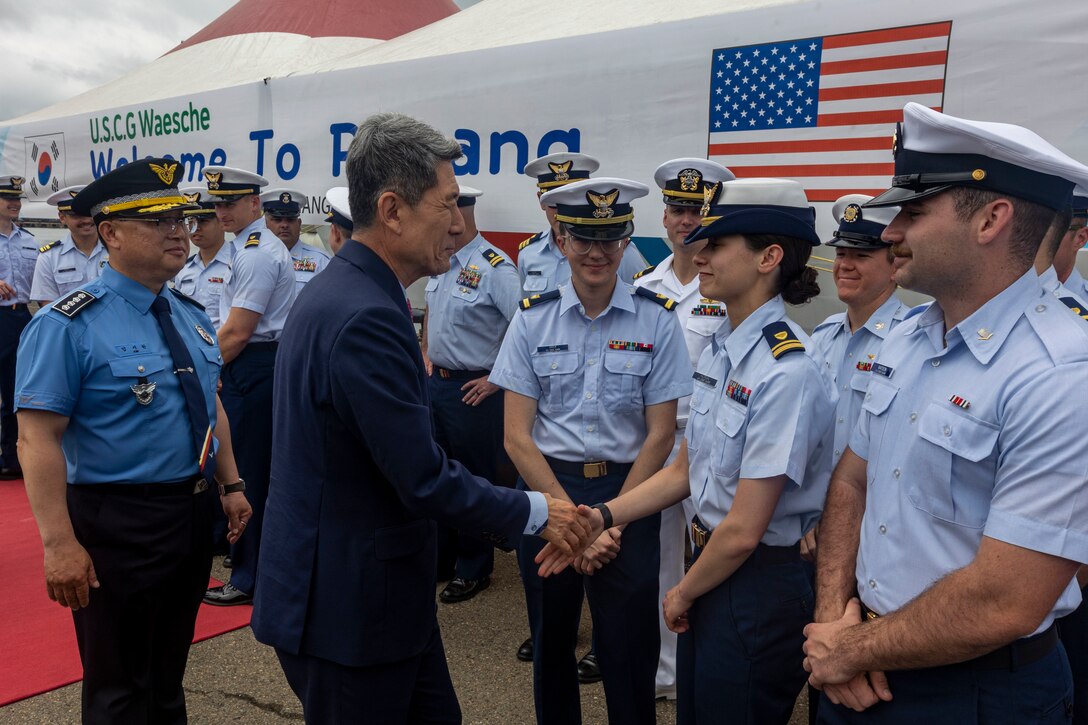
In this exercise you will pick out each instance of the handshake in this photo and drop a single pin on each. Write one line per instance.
(571, 531)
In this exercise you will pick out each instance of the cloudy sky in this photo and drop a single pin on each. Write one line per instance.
(57, 49)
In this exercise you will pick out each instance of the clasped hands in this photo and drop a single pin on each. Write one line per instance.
(824, 657)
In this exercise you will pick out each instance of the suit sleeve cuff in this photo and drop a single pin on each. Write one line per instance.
(538, 513)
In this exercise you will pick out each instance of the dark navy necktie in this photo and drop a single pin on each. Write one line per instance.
(190, 386)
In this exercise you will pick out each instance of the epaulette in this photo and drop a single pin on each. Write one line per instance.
(781, 339)
(535, 238)
(25, 230)
(1075, 306)
(252, 240)
(537, 299)
(191, 258)
(667, 303)
(493, 258)
(49, 246)
(187, 298)
(74, 303)
(649, 269)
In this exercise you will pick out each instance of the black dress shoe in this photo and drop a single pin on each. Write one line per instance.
(588, 669)
(525, 651)
(227, 596)
(228, 563)
(10, 473)
(460, 590)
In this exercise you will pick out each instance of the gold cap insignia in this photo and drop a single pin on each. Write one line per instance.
(73, 194)
(561, 171)
(852, 213)
(192, 198)
(709, 192)
(895, 139)
(978, 174)
(690, 179)
(165, 172)
(604, 203)
(285, 198)
(213, 179)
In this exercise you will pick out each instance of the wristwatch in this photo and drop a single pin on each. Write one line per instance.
(605, 514)
(237, 487)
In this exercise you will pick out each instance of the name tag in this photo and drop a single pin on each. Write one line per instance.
(704, 379)
(884, 370)
(533, 272)
(552, 348)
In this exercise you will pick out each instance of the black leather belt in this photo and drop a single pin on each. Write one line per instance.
(189, 486)
(1016, 654)
(588, 469)
(460, 374)
(14, 308)
(763, 555)
(263, 345)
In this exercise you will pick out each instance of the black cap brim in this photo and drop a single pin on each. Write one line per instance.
(602, 233)
(757, 221)
(899, 195)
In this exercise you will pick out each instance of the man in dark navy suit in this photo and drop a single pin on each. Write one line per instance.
(347, 573)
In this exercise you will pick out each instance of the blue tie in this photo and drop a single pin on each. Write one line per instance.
(190, 386)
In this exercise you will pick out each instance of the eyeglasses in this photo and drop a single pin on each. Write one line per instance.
(582, 246)
(165, 225)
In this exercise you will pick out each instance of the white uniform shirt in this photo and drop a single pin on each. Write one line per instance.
(63, 268)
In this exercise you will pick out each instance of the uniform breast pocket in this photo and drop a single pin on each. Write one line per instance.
(535, 283)
(704, 326)
(68, 276)
(186, 286)
(555, 373)
(215, 364)
(625, 373)
(953, 466)
(701, 397)
(875, 404)
(729, 444)
(463, 299)
(134, 376)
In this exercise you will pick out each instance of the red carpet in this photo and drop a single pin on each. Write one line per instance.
(37, 640)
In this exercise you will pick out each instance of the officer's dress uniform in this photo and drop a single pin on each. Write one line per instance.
(307, 261)
(760, 408)
(133, 494)
(593, 380)
(468, 310)
(18, 255)
(699, 318)
(543, 267)
(848, 361)
(261, 280)
(62, 268)
(204, 282)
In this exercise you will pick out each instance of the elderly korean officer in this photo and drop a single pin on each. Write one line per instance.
(347, 576)
(117, 406)
(958, 513)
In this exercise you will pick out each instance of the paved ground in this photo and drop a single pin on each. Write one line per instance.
(234, 679)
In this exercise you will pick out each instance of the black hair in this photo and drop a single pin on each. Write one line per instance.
(796, 280)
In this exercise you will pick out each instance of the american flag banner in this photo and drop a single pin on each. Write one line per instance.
(822, 110)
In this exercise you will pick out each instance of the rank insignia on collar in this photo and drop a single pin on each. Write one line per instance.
(204, 335)
(959, 402)
(144, 391)
(737, 392)
(630, 346)
(878, 326)
(984, 334)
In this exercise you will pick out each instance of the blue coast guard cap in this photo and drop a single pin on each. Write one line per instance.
(146, 186)
(860, 228)
(934, 152)
(597, 209)
(757, 206)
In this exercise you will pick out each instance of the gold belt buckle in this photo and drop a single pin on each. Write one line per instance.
(595, 469)
(200, 486)
(870, 615)
(443, 373)
(698, 535)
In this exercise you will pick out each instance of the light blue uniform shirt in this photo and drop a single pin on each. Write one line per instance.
(847, 360)
(592, 379)
(307, 261)
(84, 368)
(204, 283)
(262, 280)
(63, 268)
(1077, 284)
(970, 433)
(18, 255)
(1050, 282)
(470, 307)
(753, 416)
(543, 267)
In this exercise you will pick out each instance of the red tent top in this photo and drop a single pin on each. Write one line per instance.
(378, 19)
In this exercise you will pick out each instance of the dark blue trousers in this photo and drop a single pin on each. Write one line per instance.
(740, 660)
(12, 322)
(247, 399)
(1073, 629)
(415, 690)
(623, 605)
(1041, 692)
(473, 436)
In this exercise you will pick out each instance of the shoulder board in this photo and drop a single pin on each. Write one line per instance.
(667, 303)
(252, 240)
(538, 299)
(26, 231)
(530, 240)
(649, 269)
(1072, 304)
(47, 247)
(191, 258)
(781, 339)
(186, 297)
(493, 258)
(74, 303)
